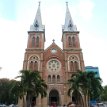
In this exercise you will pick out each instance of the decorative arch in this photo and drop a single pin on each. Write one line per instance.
(54, 97)
(73, 63)
(49, 78)
(33, 63)
(58, 78)
(53, 79)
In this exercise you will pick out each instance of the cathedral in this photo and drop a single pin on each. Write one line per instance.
(55, 65)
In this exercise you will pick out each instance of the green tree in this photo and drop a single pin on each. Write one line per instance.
(104, 94)
(33, 85)
(4, 87)
(86, 82)
(6, 97)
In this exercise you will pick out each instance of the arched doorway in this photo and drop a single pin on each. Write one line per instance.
(54, 97)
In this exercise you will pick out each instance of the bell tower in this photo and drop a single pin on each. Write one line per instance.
(71, 45)
(35, 44)
(36, 33)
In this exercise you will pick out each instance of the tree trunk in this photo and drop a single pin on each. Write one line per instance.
(85, 101)
(28, 100)
(23, 101)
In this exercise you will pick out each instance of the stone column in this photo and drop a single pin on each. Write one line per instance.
(38, 101)
(44, 102)
(22, 101)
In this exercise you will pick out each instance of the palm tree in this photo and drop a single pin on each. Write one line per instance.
(95, 85)
(86, 82)
(33, 85)
(74, 87)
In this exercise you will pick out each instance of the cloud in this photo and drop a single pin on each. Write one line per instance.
(85, 8)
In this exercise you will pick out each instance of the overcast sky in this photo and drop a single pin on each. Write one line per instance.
(16, 16)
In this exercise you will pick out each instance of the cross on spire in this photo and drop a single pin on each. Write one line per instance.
(53, 40)
(67, 4)
(39, 3)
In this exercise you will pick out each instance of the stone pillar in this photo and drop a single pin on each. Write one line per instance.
(62, 100)
(38, 101)
(22, 101)
(44, 102)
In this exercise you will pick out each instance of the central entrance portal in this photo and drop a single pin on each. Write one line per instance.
(54, 97)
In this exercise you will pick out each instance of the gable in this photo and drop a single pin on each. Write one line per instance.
(53, 51)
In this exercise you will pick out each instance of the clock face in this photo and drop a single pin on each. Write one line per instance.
(53, 51)
(53, 65)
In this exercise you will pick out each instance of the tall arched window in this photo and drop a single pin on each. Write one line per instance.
(58, 78)
(73, 41)
(37, 41)
(76, 66)
(35, 66)
(71, 66)
(49, 78)
(33, 41)
(53, 78)
(31, 65)
(69, 41)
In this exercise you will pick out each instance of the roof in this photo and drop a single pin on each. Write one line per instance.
(69, 25)
(37, 24)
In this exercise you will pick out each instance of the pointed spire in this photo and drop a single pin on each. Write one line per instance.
(69, 25)
(37, 25)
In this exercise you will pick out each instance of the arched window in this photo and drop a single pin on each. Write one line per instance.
(49, 78)
(76, 66)
(33, 41)
(73, 41)
(35, 66)
(37, 41)
(71, 66)
(69, 41)
(58, 78)
(53, 78)
(31, 65)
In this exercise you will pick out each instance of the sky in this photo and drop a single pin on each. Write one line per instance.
(16, 16)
